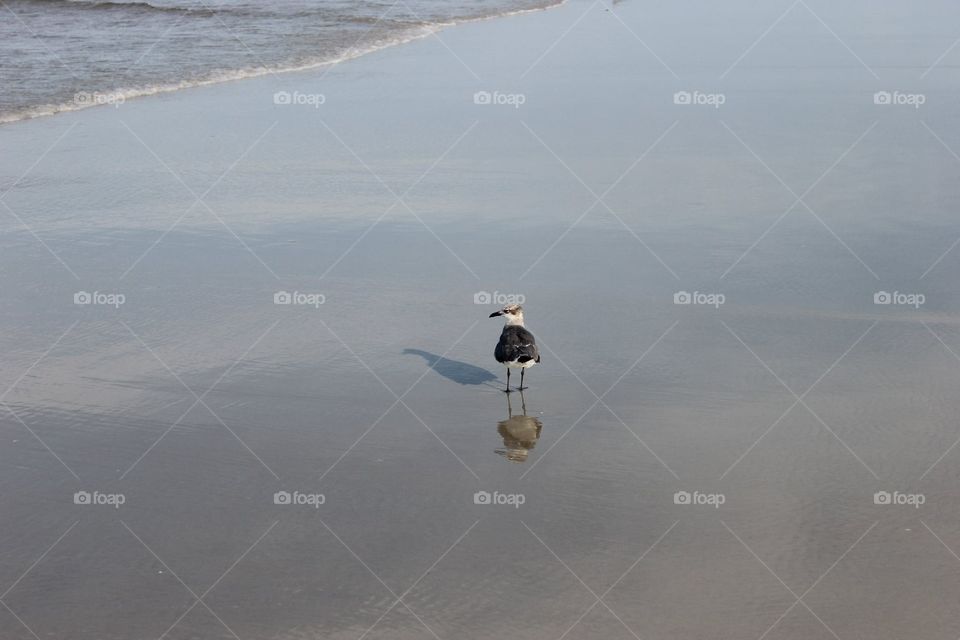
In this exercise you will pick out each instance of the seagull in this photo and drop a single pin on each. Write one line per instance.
(517, 348)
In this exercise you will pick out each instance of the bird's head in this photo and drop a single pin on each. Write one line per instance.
(513, 313)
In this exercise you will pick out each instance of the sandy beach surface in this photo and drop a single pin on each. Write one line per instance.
(733, 232)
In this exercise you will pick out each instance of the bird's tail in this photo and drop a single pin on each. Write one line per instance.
(530, 352)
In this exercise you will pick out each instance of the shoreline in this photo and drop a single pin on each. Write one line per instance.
(120, 95)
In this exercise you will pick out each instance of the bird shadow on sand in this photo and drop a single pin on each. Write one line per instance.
(455, 370)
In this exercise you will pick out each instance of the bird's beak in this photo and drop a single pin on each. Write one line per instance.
(496, 313)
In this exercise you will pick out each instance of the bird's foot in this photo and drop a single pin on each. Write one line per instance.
(522, 388)
(508, 390)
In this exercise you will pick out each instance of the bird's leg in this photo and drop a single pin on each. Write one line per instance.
(522, 371)
(508, 380)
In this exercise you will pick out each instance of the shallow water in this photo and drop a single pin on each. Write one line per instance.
(693, 398)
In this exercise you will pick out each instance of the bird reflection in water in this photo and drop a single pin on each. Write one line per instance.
(520, 433)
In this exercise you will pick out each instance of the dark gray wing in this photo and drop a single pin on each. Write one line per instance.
(516, 345)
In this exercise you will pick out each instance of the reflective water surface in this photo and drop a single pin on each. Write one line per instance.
(798, 399)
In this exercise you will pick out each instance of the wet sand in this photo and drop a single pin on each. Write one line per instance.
(401, 202)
